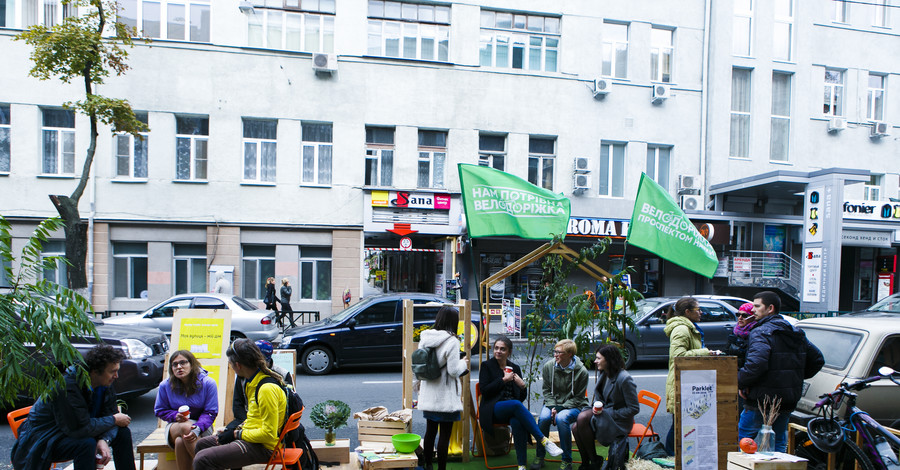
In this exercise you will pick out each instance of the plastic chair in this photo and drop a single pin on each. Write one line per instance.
(282, 455)
(16, 418)
(639, 431)
(481, 431)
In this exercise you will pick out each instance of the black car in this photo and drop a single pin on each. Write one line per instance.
(368, 332)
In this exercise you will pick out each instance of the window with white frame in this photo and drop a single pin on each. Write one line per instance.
(191, 143)
(129, 270)
(742, 28)
(5, 274)
(492, 151)
(315, 272)
(834, 93)
(379, 156)
(317, 149)
(841, 11)
(875, 97)
(541, 160)
(612, 169)
(58, 136)
(658, 160)
(662, 53)
(56, 274)
(131, 153)
(739, 146)
(432, 153)
(260, 149)
(5, 130)
(519, 41)
(7, 20)
(190, 268)
(409, 30)
(783, 30)
(615, 50)
(872, 189)
(258, 262)
(48, 13)
(881, 13)
(780, 135)
(179, 20)
(292, 25)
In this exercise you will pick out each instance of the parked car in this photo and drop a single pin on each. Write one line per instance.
(367, 332)
(855, 345)
(247, 320)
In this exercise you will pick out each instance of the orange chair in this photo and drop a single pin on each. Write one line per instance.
(481, 432)
(639, 431)
(16, 418)
(282, 455)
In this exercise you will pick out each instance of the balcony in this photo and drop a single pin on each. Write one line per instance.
(765, 269)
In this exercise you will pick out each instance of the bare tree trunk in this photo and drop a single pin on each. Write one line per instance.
(76, 240)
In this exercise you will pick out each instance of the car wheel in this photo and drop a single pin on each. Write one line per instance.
(630, 355)
(317, 360)
(236, 335)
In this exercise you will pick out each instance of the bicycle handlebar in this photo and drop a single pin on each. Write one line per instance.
(846, 389)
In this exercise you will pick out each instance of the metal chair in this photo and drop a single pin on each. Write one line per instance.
(286, 455)
(16, 418)
(638, 430)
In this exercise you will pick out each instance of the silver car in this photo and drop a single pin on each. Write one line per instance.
(247, 320)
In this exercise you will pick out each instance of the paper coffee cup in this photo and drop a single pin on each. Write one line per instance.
(598, 406)
(99, 459)
(507, 369)
(185, 411)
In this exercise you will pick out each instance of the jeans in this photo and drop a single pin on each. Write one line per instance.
(82, 451)
(522, 423)
(564, 420)
(751, 421)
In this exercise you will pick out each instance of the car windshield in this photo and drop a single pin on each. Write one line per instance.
(837, 346)
(243, 303)
(644, 306)
(888, 304)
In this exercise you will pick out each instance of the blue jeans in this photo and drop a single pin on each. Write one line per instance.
(564, 420)
(522, 424)
(751, 421)
(82, 451)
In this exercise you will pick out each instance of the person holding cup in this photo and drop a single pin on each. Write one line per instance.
(565, 381)
(189, 402)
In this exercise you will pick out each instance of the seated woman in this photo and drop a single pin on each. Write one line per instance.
(502, 392)
(613, 421)
(188, 385)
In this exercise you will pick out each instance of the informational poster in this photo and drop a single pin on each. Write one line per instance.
(509, 320)
(812, 275)
(743, 264)
(202, 336)
(285, 358)
(517, 313)
(699, 436)
(206, 333)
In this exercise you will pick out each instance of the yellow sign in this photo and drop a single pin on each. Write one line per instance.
(473, 334)
(202, 336)
(381, 198)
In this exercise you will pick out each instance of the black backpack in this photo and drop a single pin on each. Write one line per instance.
(425, 365)
(296, 438)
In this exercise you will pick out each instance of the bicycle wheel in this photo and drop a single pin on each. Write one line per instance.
(846, 459)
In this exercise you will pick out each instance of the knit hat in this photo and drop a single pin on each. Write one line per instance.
(746, 308)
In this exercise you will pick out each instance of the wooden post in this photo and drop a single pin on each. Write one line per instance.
(408, 327)
(726, 402)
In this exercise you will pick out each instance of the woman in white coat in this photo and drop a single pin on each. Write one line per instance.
(439, 398)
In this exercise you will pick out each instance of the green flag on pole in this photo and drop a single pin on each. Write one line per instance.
(660, 227)
(498, 203)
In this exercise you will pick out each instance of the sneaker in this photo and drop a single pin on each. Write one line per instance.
(522, 467)
(565, 465)
(552, 448)
(538, 464)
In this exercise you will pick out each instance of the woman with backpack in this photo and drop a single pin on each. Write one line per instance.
(439, 398)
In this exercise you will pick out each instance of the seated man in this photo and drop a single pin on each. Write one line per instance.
(565, 382)
(239, 401)
(76, 423)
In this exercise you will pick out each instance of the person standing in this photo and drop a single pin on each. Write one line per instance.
(78, 422)
(779, 357)
(286, 310)
(439, 399)
(565, 382)
(270, 299)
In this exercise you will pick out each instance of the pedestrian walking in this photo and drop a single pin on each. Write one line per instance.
(270, 299)
(565, 382)
(286, 310)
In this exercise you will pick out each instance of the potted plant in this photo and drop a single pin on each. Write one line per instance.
(330, 415)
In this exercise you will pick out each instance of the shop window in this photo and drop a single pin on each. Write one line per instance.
(260, 150)
(258, 263)
(315, 273)
(131, 153)
(190, 268)
(56, 274)
(379, 156)
(130, 270)
(492, 151)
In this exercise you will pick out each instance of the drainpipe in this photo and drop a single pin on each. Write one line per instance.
(90, 236)
(704, 94)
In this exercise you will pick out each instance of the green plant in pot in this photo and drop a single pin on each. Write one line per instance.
(330, 415)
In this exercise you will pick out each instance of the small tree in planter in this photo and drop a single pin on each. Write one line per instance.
(330, 415)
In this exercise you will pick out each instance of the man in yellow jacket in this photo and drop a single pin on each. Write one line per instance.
(254, 441)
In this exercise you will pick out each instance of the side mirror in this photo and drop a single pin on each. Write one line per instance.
(351, 323)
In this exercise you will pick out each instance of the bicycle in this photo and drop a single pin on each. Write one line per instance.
(828, 434)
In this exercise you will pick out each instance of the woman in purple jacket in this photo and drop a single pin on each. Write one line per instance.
(188, 384)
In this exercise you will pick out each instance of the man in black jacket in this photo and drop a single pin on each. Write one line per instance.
(779, 357)
(78, 422)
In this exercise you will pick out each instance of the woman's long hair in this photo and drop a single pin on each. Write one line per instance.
(189, 386)
(613, 358)
(246, 353)
(447, 319)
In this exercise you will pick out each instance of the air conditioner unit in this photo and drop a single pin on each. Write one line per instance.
(582, 182)
(689, 182)
(582, 165)
(324, 62)
(602, 86)
(836, 124)
(692, 203)
(661, 92)
(880, 129)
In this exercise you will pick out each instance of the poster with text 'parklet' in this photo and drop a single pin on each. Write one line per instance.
(698, 420)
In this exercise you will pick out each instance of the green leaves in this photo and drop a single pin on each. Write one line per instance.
(330, 414)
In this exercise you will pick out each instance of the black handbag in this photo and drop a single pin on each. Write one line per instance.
(650, 450)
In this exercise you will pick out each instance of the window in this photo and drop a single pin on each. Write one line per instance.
(180, 20)
(190, 268)
(379, 156)
(742, 30)
(7, 20)
(888, 355)
(409, 30)
(492, 151)
(834, 93)
(872, 189)
(130, 270)
(5, 131)
(317, 148)
(541, 158)
(740, 113)
(662, 50)
(432, 153)
(5, 276)
(841, 11)
(131, 153)
(55, 248)
(191, 141)
(259, 149)
(615, 50)
(658, 160)
(275, 26)
(841, 345)
(881, 8)
(519, 41)
(315, 273)
(258, 264)
(874, 98)
(779, 145)
(784, 30)
(612, 169)
(58, 142)
(377, 314)
(48, 13)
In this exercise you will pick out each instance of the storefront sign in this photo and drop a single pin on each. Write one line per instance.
(866, 238)
(742, 265)
(410, 200)
(590, 227)
(871, 210)
(812, 275)
(813, 220)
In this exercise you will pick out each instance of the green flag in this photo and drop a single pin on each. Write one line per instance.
(498, 203)
(660, 227)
